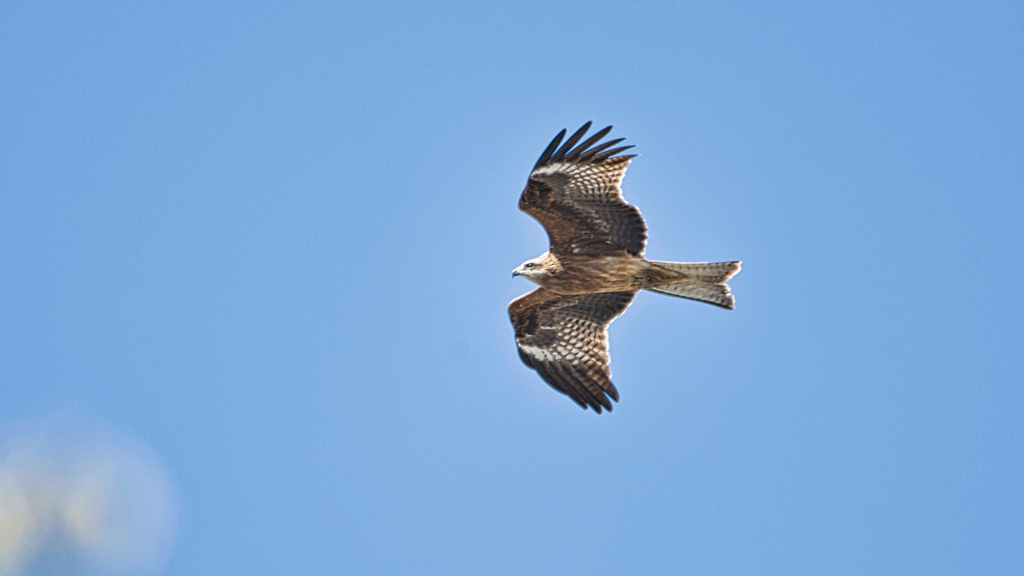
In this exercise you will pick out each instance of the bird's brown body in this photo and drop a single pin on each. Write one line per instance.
(613, 272)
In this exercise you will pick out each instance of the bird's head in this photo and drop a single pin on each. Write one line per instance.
(532, 270)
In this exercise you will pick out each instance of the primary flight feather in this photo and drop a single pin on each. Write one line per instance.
(594, 267)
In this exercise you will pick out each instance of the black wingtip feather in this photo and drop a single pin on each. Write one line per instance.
(575, 152)
(613, 392)
(596, 149)
(572, 140)
(546, 156)
(609, 153)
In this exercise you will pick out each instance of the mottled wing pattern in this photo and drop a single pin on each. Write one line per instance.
(565, 339)
(574, 192)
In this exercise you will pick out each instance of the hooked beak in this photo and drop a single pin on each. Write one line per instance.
(515, 273)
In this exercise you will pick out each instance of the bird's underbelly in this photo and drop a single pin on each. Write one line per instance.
(599, 274)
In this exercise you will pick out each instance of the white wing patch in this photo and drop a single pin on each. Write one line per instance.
(550, 169)
(540, 353)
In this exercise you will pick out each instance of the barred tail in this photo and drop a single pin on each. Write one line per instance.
(704, 281)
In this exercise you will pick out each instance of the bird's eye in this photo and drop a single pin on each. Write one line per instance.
(529, 264)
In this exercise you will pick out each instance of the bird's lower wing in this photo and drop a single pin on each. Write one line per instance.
(565, 339)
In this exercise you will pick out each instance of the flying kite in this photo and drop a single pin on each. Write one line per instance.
(593, 268)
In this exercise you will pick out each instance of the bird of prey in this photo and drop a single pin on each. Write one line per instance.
(593, 268)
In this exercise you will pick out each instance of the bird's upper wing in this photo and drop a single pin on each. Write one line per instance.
(565, 339)
(575, 194)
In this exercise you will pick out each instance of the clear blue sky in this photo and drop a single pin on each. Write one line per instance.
(273, 243)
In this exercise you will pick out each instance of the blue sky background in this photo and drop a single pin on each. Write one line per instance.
(272, 241)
